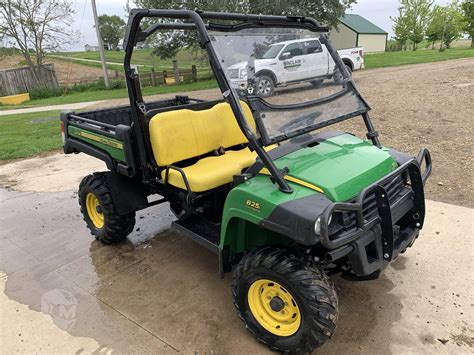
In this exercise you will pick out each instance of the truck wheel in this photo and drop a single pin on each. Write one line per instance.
(265, 86)
(317, 83)
(99, 212)
(285, 302)
(337, 76)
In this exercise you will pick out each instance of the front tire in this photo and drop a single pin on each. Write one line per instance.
(99, 212)
(265, 86)
(286, 302)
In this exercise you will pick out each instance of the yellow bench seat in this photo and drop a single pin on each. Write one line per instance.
(211, 172)
(179, 135)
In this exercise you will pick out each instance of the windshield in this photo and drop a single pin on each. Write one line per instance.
(299, 90)
(272, 52)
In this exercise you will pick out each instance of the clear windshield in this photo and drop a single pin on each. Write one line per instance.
(272, 51)
(288, 69)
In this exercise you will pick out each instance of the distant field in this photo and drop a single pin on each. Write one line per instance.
(388, 59)
(143, 57)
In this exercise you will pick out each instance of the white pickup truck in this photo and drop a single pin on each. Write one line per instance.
(292, 62)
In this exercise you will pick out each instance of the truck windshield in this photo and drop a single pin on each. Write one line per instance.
(293, 92)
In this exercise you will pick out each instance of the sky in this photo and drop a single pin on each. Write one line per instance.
(376, 11)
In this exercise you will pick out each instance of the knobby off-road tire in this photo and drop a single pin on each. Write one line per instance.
(99, 212)
(304, 291)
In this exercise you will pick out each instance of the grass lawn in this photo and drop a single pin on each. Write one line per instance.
(29, 134)
(113, 94)
(25, 135)
(388, 59)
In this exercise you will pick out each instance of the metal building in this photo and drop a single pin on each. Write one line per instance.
(356, 31)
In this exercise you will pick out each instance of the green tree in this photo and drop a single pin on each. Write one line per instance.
(413, 17)
(453, 23)
(468, 12)
(169, 43)
(434, 31)
(112, 30)
(446, 24)
(402, 33)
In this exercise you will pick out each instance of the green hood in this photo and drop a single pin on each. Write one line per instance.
(342, 166)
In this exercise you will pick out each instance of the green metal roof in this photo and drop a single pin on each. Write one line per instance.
(360, 25)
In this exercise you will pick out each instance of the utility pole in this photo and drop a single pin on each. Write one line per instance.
(101, 45)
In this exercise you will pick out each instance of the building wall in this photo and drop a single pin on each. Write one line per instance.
(373, 42)
(343, 37)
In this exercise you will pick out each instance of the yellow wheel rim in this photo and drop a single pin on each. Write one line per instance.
(97, 218)
(274, 307)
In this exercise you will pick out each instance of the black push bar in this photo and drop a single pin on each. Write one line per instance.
(385, 209)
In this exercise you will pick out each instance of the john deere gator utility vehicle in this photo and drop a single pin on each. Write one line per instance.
(256, 176)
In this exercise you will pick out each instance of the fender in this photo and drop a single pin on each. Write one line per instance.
(268, 72)
(348, 61)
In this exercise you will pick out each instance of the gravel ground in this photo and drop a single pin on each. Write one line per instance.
(428, 105)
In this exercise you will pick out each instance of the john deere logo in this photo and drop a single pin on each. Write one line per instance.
(61, 306)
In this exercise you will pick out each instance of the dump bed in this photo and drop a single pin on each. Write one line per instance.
(108, 134)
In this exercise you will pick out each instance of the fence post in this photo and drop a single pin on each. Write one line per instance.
(194, 77)
(176, 71)
(116, 74)
(152, 76)
(165, 74)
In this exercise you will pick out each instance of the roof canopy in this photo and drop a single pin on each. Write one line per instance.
(360, 25)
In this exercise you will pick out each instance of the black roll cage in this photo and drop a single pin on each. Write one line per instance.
(135, 34)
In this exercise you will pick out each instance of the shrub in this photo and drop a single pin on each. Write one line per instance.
(44, 93)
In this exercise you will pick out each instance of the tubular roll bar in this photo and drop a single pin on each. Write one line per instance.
(134, 34)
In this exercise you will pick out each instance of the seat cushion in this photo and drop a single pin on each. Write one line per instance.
(211, 172)
(182, 134)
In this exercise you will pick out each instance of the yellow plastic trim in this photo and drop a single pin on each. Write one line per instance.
(282, 323)
(97, 218)
(265, 171)
(102, 140)
(14, 99)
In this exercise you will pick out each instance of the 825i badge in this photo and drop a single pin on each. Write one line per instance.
(253, 205)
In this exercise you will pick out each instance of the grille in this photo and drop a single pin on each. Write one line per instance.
(233, 73)
(394, 188)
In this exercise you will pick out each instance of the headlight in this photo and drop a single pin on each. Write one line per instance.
(243, 74)
(317, 225)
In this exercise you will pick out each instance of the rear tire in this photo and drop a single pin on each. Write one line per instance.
(337, 76)
(99, 212)
(286, 302)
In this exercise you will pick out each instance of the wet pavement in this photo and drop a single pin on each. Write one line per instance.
(159, 292)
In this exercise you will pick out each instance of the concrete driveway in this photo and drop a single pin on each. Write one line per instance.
(64, 292)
